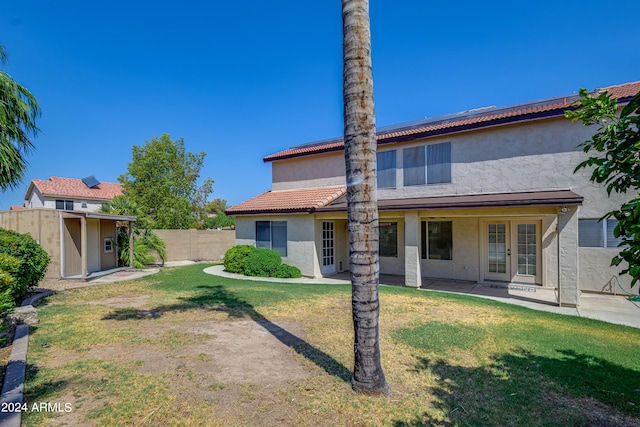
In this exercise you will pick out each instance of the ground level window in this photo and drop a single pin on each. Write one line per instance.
(437, 240)
(272, 235)
(388, 239)
(593, 233)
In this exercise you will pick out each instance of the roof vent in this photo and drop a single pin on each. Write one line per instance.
(91, 181)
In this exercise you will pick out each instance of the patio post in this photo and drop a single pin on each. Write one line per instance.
(130, 233)
(568, 290)
(412, 272)
(83, 245)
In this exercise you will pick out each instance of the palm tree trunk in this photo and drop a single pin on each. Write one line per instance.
(362, 207)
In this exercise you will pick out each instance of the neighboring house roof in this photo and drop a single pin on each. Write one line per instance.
(16, 207)
(74, 189)
(464, 121)
(329, 199)
(288, 201)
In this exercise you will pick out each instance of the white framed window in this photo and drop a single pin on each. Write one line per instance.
(386, 169)
(272, 235)
(66, 205)
(593, 233)
(427, 164)
(108, 244)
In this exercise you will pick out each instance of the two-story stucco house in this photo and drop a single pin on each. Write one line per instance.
(486, 195)
(87, 194)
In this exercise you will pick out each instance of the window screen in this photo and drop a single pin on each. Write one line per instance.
(386, 169)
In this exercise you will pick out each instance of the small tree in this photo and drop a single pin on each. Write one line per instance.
(617, 165)
(221, 220)
(217, 206)
(145, 239)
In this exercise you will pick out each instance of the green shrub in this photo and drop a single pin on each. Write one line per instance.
(7, 304)
(9, 270)
(262, 262)
(235, 257)
(286, 271)
(33, 261)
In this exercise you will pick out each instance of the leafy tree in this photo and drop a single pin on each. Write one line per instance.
(362, 206)
(221, 220)
(18, 113)
(616, 165)
(217, 206)
(162, 180)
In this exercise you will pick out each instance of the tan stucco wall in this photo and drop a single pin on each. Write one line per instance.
(196, 245)
(301, 248)
(307, 172)
(597, 275)
(41, 224)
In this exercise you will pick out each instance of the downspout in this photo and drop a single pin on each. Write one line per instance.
(558, 244)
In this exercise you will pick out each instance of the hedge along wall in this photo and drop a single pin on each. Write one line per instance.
(196, 245)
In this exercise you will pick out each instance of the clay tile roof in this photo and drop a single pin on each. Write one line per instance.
(622, 91)
(459, 122)
(288, 201)
(75, 188)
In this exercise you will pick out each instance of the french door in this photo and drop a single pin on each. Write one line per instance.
(328, 247)
(512, 251)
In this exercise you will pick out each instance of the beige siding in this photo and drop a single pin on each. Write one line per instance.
(72, 247)
(108, 260)
(41, 224)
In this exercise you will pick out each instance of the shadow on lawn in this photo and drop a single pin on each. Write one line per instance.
(522, 388)
(217, 298)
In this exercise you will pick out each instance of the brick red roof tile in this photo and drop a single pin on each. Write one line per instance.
(74, 189)
(461, 122)
(288, 201)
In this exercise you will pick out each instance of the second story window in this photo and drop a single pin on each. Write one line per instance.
(66, 205)
(386, 169)
(427, 164)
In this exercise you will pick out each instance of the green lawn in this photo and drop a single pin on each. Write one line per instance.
(136, 353)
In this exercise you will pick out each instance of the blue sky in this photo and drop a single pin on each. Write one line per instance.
(240, 80)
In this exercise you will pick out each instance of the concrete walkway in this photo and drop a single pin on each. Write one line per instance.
(609, 308)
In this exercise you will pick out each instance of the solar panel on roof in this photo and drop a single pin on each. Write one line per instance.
(90, 181)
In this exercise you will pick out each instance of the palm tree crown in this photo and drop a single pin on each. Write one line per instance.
(18, 112)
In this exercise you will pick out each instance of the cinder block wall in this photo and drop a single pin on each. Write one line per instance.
(196, 245)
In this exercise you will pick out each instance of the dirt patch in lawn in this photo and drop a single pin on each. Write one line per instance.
(126, 301)
(257, 351)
